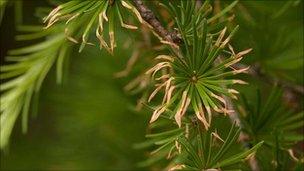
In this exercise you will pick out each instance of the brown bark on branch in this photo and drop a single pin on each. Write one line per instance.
(150, 18)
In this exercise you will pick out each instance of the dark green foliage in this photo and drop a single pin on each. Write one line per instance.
(212, 156)
(271, 121)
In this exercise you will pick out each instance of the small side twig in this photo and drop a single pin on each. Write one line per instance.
(292, 92)
(234, 117)
(256, 71)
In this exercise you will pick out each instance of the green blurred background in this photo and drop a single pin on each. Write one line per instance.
(88, 123)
